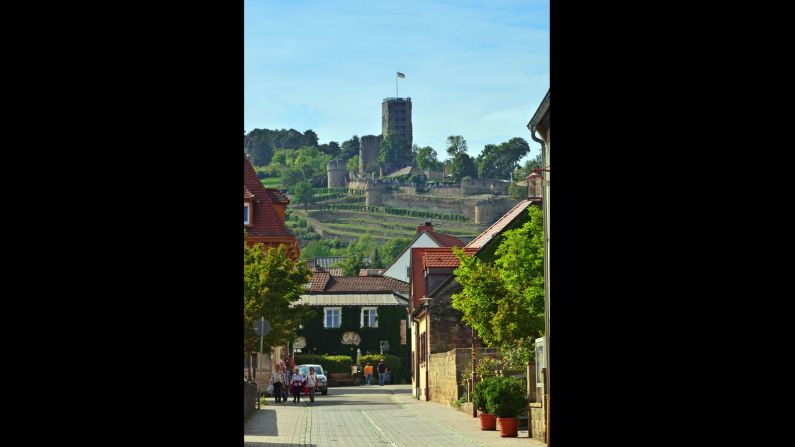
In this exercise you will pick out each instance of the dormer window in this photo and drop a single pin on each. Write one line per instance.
(247, 214)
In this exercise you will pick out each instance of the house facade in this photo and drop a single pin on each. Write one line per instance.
(437, 326)
(539, 123)
(264, 212)
(356, 312)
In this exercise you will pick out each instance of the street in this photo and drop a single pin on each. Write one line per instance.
(367, 416)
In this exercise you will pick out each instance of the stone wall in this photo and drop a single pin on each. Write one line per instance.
(538, 426)
(488, 211)
(369, 146)
(439, 205)
(444, 375)
(484, 186)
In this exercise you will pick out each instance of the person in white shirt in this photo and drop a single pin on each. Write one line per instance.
(311, 383)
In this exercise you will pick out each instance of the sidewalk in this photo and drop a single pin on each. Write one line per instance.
(464, 426)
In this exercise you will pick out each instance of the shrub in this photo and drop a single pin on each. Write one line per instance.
(392, 363)
(505, 397)
(330, 363)
(479, 396)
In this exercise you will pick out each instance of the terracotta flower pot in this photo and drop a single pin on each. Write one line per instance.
(509, 427)
(488, 421)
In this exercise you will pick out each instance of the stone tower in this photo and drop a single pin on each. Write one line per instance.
(369, 145)
(336, 174)
(396, 118)
(374, 194)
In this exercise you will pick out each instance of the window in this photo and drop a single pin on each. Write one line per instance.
(333, 317)
(369, 317)
(246, 213)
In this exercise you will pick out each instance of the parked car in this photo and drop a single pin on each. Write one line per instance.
(322, 381)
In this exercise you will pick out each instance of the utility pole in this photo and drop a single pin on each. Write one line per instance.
(474, 374)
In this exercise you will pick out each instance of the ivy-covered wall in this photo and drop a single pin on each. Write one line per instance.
(320, 340)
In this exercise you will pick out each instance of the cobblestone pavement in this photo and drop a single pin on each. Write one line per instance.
(368, 416)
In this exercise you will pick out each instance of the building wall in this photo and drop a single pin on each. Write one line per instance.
(538, 424)
(484, 186)
(422, 391)
(336, 173)
(396, 117)
(369, 146)
(398, 269)
(445, 375)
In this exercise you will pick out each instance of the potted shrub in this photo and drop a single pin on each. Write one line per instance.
(506, 399)
(488, 421)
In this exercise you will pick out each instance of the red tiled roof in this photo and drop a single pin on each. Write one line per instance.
(276, 196)
(445, 240)
(499, 225)
(365, 284)
(318, 281)
(444, 257)
(266, 220)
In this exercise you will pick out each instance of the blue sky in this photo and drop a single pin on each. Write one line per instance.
(473, 68)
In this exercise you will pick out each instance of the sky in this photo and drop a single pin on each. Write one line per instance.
(473, 68)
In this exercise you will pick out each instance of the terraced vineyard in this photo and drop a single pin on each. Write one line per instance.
(350, 225)
(338, 213)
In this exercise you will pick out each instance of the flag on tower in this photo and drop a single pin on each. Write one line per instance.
(400, 75)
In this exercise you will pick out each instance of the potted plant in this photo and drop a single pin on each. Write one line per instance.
(506, 399)
(488, 421)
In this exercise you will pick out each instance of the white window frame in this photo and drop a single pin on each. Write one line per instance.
(247, 216)
(374, 310)
(325, 317)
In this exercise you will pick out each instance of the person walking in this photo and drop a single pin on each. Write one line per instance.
(368, 372)
(311, 383)
(381, 372)
(277, 380)
(297, 385)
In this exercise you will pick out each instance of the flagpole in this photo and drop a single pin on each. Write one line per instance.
(396, 85)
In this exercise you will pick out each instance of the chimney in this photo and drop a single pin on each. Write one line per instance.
(428, 226)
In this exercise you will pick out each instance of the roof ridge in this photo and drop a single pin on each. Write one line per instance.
(498, 221)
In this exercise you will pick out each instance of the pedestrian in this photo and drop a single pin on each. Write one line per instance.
(277, 380)
(297, 384)
(368, 372)
(381, 372)
(311, 383)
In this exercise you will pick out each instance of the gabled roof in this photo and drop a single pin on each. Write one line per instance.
(444, 257)
(445, 240)
(363, 284)
(402, 171)
(318, 281)
(497, 227)
(266, 221)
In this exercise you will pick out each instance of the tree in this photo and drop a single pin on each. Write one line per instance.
(394, 150)
(393, 248)
(353, 164)
(331, 148)
(426, 158)
(258, 146)
(504, 301)
(456, 144)
(350, 148)
(376, 262)
(352, 261)
(271, 283)
(498, 161)
(462, 166)
(303, 193)
(309, 138)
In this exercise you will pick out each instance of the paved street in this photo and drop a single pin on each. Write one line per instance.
(367, 416)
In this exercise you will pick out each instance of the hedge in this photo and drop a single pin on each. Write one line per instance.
(392, 363)
(330, 363)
